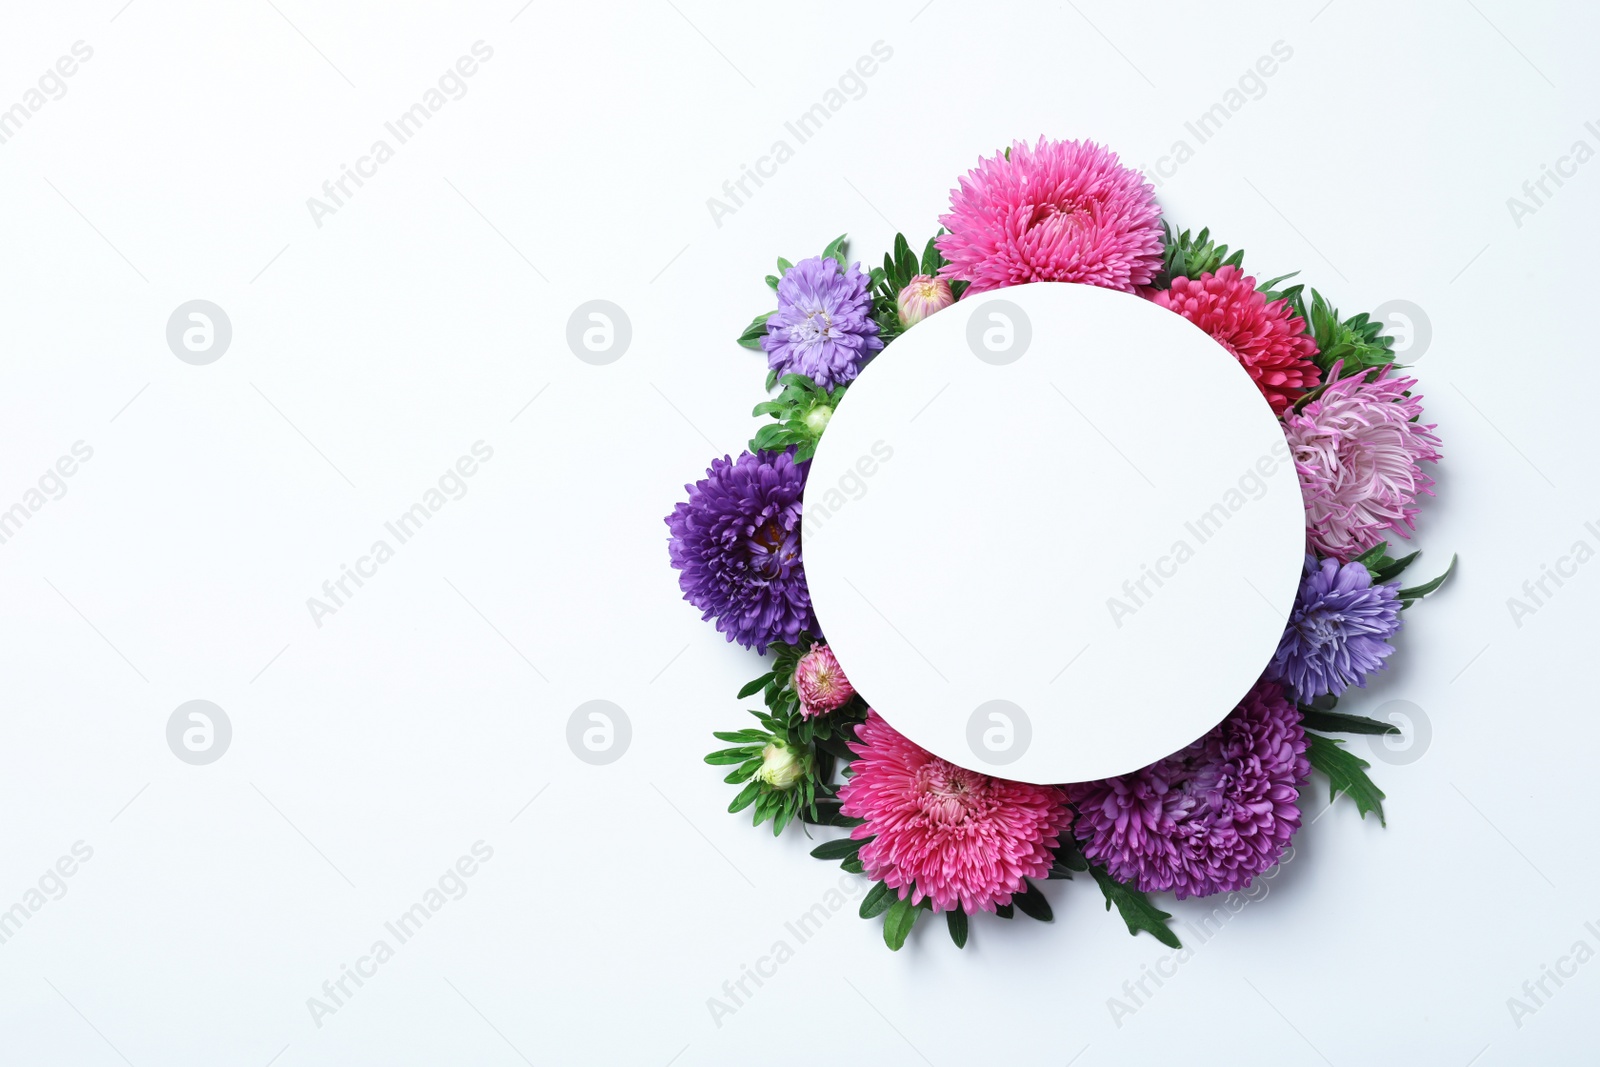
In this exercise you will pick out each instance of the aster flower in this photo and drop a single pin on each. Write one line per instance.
(737, 542)
(1338, 632)
(922, 296)
(944, 833)
(823, 327)
(1209, 818)
(820, 682)
(1268, 340)
(1357, 447)
(1055, 211)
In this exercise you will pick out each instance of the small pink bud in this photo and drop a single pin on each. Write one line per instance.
(820, 683)
(922, 296)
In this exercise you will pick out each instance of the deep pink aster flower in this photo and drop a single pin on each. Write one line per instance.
(1357, 448)
(1057, 211)
(941, 832)
(820, 682)
(1207, 819)
(1268, 340)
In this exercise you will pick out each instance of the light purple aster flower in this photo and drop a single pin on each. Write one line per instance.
(737, 542)
(1207, 819)
(1339, 631)
(823, 327)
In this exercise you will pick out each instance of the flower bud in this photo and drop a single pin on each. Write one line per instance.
(781, 768)
(922, 296)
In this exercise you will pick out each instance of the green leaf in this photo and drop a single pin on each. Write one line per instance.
(1032, 903)
(931, 262)
(956, 919)
(905, 264)
(877, 901)
(1417, 592)
(724, 756)
(784, 265)
(836, 251)
(1337, 722)
(748, 737)
(853, 865)
(1005, 911)
(746, 797)
(1135, 909)
(1347, 774)
(897, 922)
(1389, 570)
(757, 685)
(743, 773)
(837, 850)
(753, 333)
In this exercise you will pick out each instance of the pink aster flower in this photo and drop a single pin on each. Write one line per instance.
(1268, 340)
(956, 837)
(1056, 211)
(820, 682)
(1357, 448)
(1207, 819)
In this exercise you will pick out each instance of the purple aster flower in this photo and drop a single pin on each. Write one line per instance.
(1339, 631)
(823, 327)
(1207, 819)
(737, 542)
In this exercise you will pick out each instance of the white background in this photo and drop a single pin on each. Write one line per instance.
(368, 354)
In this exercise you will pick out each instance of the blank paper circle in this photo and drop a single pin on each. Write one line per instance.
(1053, 533)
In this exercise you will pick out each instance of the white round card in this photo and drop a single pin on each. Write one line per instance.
(1053, 533)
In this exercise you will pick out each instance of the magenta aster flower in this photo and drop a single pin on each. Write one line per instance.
(823, 327)
(820, 683)
(1268, 340)
(736, 541)
(921, 297)
(1056, 211)
(1207, 819)
(940, 832)
(1358, 449)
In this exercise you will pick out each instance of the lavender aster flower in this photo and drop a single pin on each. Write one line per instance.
(1339, 631)
(737, 542)
(823, 327)
(1207, 819)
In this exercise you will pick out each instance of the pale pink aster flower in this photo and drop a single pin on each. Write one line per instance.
(820, 682)
(922, 296)
(1055, 211)
(1357, 448)
(941, 832)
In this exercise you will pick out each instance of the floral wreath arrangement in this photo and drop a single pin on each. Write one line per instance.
(934, 836)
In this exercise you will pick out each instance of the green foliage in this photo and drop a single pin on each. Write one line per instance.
(897, 922)
(1347, 774)
(1358, 342)
(1410, 596)
(899, 267)
(956, 919)
(1135, 908)
(1337, 722)
(802, 410)
(1188, 256)
(1381, 565)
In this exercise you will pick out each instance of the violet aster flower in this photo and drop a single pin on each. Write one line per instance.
(1339, 631)
(823, 327)
(737, 542)
(1207, 819)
